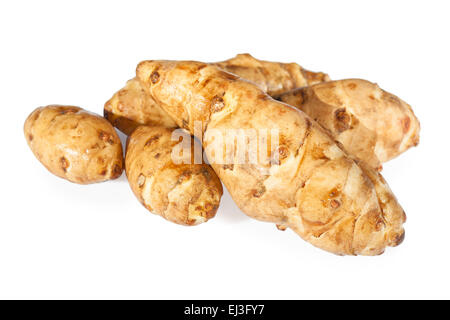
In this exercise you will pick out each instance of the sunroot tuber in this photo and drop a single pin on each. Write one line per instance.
(315, 189)
(74, 144)
(272, 77)
(131, 106)
(184, 193)
(371, 124)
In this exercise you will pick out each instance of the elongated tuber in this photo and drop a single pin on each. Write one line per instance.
(183, 193)
(371, 124)
(131, 106)
(314, 189)
(272, 77)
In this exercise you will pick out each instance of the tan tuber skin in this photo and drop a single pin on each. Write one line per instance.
(74, 144)
(131, 106)
(272, 77)
(316, 189)
(186, 194)
(128, 110)
(370, 123)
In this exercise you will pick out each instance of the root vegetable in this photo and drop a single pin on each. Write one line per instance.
(371, 124)
(186, 194)
(131, 106)
(315, 189)
(272, 77)
(74, 144)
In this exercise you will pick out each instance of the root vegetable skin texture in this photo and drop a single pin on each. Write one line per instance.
(131, 107)
(370, 123)
(186, 194)
(316, 189)
(74, 144)
(183, 194)
(272, 77)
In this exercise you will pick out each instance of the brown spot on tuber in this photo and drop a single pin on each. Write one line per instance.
(283, 152)
(228, 166)
(105, 137)
(103, 172)
(201, 67)
(352, 86)
(210, 210)
(152, 139)
(342, 120)
(379, 225)
(334, 193)
(157, 155)
(185, 175)
(95, 146)
(37, 114)
(64, 163)
(406, 123)
(117, 171)
(335, 204)
(123, 92)
(30, 137)
(264, 96)
(281, 227)
(217, 104)
(257, 193)
(68, 110)
(301, 95)
(399, 239)
(154, 77)
(318, 153)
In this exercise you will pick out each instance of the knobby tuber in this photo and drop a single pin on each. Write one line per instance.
(315, 189)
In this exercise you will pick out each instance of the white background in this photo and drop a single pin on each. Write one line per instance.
(61, 240)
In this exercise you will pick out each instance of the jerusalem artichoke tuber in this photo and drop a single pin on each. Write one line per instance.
(371, 124)
(315, 189)
(74, 144)
(183, 193)
(131, 106)
(272, 77)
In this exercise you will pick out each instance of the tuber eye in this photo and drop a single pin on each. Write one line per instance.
(217, 104)
(154, 77)
(64, 163)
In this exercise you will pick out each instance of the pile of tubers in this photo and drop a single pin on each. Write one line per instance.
(332, 139)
